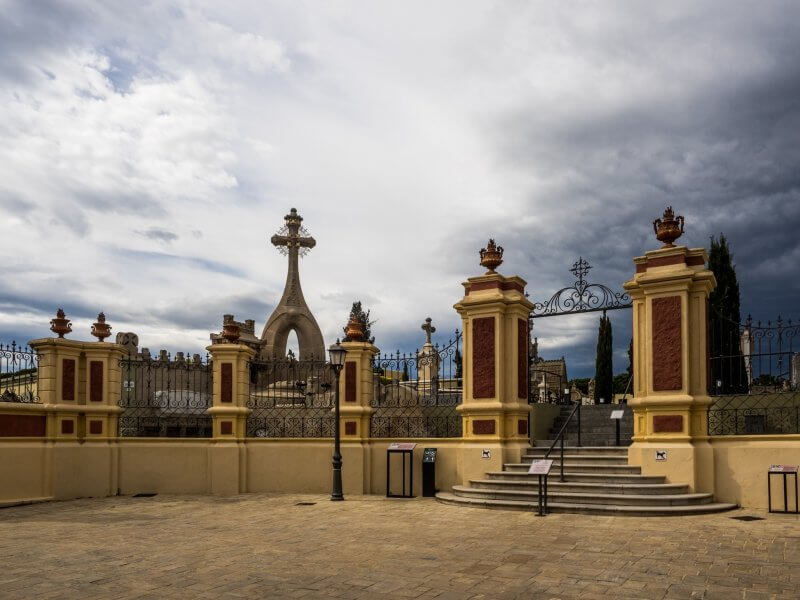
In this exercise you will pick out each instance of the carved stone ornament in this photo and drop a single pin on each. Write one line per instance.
(231, 331)
(491, 256)
(354, 330)
(668, 228)
(60, 325)
(101, 330)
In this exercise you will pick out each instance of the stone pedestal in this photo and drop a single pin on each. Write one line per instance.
(670, 355)
(231, 389)
(494, 313)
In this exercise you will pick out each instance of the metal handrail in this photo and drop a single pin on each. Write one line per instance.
(560, 436)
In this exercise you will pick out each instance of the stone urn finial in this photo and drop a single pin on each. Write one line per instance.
(668, 228)
(101, 330)
(355, 329)
(230, 330)
(491, 256)
(60, 325)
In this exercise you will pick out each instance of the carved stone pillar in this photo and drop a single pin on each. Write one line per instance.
(670, 360)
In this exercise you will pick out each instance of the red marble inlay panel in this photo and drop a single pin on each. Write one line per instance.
(68, 379)
(667, 423)
(67, 426)
(483, 426)
(226, 386)
(226, 427)
(667, 357)
(350, 428)
(522, 427)
(96, 381)
(483, 358)
(23, 425)
(522, 358)
(96, 427)
(350, 381)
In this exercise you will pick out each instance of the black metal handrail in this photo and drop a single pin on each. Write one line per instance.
(561, 433)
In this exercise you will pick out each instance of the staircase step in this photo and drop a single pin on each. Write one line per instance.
(585, 498)
(579, 477)
(595, 459)
(591, 509)
(582, 487)
(579, 467)
(608, 450)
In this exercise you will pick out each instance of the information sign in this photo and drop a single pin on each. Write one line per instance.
(783, 468)
(540, 466)
(402, 446)
(429, 455)
(617, 414)
(486, 454)
(661, 455)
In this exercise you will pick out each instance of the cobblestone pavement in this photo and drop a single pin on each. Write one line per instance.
(268, 546)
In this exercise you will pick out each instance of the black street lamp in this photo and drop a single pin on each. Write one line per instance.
(337, 354)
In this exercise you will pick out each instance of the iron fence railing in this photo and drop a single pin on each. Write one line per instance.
(416, 394)
(291, 399)
(165, 397)
(18, 374)
(754, 371)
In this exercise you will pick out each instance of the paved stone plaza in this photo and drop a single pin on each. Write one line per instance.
(268, 546)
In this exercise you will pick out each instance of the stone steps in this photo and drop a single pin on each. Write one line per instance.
(573, 477)
(589, 509)
(597, 480)
(578, 467)
(571, 449)
(583, 497)
(604, 487)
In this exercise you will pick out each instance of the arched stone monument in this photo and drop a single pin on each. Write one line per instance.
(292, 312)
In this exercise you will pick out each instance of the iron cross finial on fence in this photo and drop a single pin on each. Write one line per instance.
(580, 269)
(428, 329)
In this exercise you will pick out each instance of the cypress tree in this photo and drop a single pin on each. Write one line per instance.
(727, 362)
(604, 371)
(630, 369)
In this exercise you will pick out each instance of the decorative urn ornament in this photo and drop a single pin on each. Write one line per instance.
(101, 330)
(60, 325)
(668, 228)
(355, 330)
(231, 332)
(491, 256)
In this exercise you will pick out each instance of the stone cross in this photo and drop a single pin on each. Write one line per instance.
(428, 329)
(294, 237)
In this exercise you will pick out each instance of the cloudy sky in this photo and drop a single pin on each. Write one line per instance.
(148, 150)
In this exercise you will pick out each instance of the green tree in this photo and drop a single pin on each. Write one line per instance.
(727, 362)
(581, 384)
(604, 368)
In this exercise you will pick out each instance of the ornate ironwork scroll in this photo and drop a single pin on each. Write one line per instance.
(18, 373)
(291, 398)
(754, 377)
(416, 394)
(165, 397)
(581, 297)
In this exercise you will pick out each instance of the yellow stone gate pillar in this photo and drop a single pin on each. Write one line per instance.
(230, 392)
(670, 292)
(356, 391)
(494, 313)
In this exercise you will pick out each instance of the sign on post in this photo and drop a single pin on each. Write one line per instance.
(783, 468)
(540, 466)
(402, 446)
(617, 414)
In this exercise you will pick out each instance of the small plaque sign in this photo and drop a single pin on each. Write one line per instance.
(617, 414)
(402, 446)
(783, 468)
(429, 455)
(661, 455)
(486, 454)
(540, 466)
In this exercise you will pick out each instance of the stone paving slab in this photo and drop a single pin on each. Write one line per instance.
(368, 547)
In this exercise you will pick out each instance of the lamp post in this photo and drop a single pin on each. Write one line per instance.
(337, 354)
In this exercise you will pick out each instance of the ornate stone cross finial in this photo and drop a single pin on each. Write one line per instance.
(428, 329)
(293, 237)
